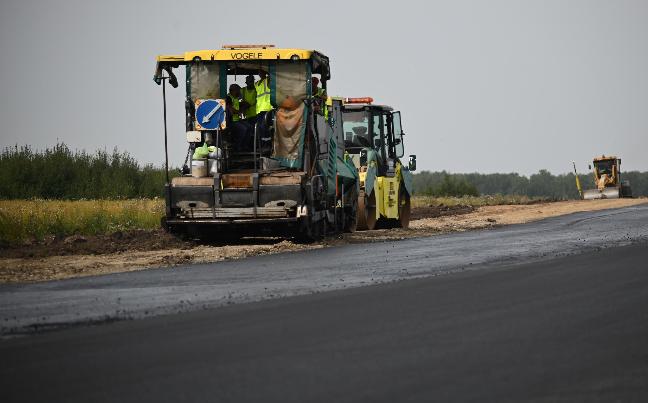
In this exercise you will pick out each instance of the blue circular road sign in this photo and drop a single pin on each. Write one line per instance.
(210, 114)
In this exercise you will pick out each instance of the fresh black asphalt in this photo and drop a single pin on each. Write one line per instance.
(26, 308)
(569, 329)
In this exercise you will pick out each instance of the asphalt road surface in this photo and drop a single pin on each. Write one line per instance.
(26, 308)
(568, 329)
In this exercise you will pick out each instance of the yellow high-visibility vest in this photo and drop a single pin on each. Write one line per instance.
(321, 92)
(263, 103)
(235, 105)
(250, 96)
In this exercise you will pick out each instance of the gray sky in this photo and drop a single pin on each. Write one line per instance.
(487, 86)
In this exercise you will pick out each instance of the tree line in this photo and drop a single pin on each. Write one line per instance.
(541, 184)
(60, 173)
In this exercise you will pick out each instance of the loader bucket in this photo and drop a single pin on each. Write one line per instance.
(607, 193)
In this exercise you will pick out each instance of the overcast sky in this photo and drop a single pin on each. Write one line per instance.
(486, 86)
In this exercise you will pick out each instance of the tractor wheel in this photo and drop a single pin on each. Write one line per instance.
(404, 208)
(351, 219)
(312, 231)
(366, 211)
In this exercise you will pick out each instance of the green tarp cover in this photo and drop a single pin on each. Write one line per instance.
(292, 85)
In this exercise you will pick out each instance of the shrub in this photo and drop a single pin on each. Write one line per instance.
(454, 187)
(59, 173)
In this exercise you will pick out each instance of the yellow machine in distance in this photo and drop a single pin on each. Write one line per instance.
(607, 178)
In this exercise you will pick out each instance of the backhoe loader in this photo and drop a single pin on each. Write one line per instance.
(607, 178)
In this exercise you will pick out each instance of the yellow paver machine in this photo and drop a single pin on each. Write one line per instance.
(278, 168)
(607, 178)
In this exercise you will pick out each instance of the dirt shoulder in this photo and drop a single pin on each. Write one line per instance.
(488, 216)
(120, 252)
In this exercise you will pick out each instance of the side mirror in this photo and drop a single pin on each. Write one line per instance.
(173, 80)
(397, 141)
(412, 163)
(589, 167)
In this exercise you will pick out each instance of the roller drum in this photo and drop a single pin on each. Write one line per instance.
(607, 193)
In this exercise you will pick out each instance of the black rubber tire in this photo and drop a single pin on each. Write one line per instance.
(351, 219)
(366, 211)
(404, 208)
(310, 231)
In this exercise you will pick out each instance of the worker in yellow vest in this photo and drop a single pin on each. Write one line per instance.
(316, 90)
(263, 103)
(239, 131)
(263, 93)
(320, 97)
(233, 102)
(249, 95)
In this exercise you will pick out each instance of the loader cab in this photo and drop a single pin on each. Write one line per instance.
(605, 167)
(376, 129)
(606, 170)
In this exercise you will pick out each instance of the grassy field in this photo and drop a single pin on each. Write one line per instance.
(33, 220)
(22, 220)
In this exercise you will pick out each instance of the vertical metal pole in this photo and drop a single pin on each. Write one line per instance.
(219, 152)
(254, 147)
(166, 147)
(578, 185)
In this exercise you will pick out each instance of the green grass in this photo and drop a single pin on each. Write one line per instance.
(22, 220)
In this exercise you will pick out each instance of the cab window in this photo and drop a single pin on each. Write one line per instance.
(377, 130)
(399, 148)
(356, 129)
(604, 167)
